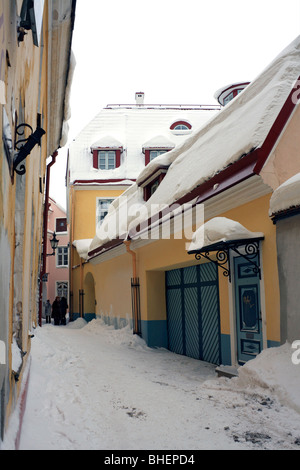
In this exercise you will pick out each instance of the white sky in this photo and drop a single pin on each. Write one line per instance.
(175, 52)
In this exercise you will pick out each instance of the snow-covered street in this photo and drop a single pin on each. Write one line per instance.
(93, 387)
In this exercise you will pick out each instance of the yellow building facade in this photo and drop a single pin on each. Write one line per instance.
(34, 70)
(211, 292)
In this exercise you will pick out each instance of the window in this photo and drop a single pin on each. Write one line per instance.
(228, 98)
(62, 256)
(102, 210)
(151, 184)
(62, 289)
(61, 225)
(156, 153)
(106, 159)
(152, 154)
(183, 127)
(154, 187)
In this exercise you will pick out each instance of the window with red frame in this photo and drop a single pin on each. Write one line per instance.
(151, 154)
(106, 159)
(61, 225)
(152, 186)
(181, 126)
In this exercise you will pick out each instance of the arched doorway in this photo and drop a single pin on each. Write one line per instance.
(89, 297)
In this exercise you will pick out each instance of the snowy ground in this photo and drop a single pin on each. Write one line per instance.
(92, 387)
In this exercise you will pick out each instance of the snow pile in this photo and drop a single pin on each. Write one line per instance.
(220, 229)
(93, 387)
(16, 356)
(274, 371)
(107, 142)
(77, 324)
(286, 196)
(82, 247)
(271, 374)
(158, 142)
(120, 336)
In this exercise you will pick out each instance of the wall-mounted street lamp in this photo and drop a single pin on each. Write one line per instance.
(24, 150)
(54, 244)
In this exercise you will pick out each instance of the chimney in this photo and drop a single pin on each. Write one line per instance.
(139, 98)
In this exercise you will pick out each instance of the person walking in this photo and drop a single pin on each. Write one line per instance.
(56, 311)
(48, 311)
(63, 310)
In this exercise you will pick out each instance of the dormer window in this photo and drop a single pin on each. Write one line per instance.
(106, 154)
(152, 154)
(226, 94)
(151, 183)
(106, 159)
(156, 146)
(181, 127)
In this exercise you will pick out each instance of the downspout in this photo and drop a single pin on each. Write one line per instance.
(72, 204)
(133, 254)
(134, 275)
(45, 230)
(81, 293)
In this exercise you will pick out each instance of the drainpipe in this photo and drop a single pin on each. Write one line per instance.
(133, 254)
(81, 306)
(135, 293)
(45, 230)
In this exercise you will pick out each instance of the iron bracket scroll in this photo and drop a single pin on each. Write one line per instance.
(248, 249)
(25, 145)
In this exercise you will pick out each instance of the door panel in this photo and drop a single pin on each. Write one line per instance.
(175, 321)
(193, 312)
(248, 310)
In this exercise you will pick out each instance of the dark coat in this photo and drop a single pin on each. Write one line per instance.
(63, 305)
(56, 309)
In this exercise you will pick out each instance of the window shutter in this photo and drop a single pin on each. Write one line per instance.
(95, 159)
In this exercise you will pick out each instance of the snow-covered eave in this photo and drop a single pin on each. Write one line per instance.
(107, 246)
(220, 232)
(82, 247)
(285, 200)
(102, 182)
(61, 65)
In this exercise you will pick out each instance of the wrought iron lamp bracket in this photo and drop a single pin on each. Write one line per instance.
(25, 145)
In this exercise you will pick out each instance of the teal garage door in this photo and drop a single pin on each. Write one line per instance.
(193, 312)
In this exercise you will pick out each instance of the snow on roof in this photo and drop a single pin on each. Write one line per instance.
(159, 141)
(286, 196)
(220, 229)
(131, 127)
(237, 129)
(107, 142)
(241, 126)
(226, 89)
(82, 247)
